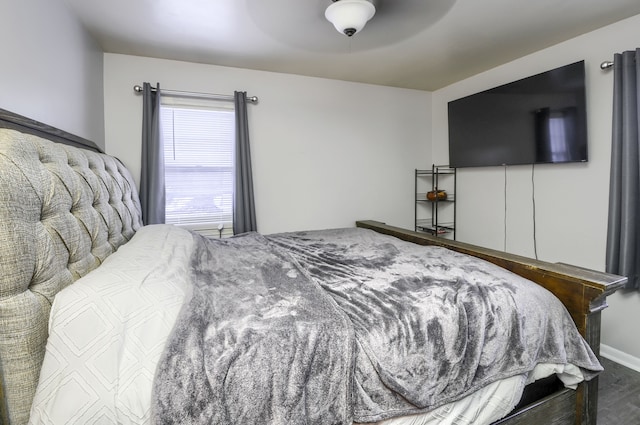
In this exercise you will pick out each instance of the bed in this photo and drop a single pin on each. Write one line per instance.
(71, 222)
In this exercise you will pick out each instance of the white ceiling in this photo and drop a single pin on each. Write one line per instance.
(418, 44)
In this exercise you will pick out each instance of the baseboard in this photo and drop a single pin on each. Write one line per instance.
(620, 357)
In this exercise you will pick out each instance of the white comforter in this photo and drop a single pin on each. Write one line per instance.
(108, 330)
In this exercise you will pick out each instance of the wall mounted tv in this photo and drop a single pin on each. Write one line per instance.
(539, 119)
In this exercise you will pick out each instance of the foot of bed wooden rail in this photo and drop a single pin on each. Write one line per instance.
(582, 291)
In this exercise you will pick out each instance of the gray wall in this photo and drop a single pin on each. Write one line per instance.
(51, 69)
(571, 199)
(325, 153)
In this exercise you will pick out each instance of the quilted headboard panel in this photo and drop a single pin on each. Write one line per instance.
(63, 210)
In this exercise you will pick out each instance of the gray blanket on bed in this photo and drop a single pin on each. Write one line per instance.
(255, 344)
(335, 326)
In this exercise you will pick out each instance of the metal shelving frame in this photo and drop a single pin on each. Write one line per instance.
(432, 224)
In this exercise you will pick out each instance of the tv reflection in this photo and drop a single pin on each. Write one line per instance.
(556, 138)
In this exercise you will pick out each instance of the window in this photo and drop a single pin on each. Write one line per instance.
(198, 138)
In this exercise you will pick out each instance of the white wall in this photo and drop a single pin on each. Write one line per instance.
(324, 153)
(570, 200)
(51, 69)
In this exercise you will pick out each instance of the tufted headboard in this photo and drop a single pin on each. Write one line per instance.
(63, 210)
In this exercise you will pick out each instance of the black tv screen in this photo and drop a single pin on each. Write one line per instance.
(539, 119)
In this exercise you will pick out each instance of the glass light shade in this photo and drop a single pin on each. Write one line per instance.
(349, 16)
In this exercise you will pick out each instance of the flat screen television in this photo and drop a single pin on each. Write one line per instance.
(539, 119)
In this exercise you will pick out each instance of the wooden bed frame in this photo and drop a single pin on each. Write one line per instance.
(582, 291)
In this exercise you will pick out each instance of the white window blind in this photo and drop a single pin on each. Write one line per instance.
(198, 138)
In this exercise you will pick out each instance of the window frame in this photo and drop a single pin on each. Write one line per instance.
(186, 103)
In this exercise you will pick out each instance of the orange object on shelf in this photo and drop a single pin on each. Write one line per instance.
(440, 195)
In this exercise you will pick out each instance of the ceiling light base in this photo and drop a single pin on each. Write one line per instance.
(349, 31)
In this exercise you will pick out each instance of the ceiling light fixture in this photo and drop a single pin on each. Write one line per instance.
(349, 16)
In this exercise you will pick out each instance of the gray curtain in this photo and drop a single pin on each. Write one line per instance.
(152, 192)
(623, 236)
(244, 212)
